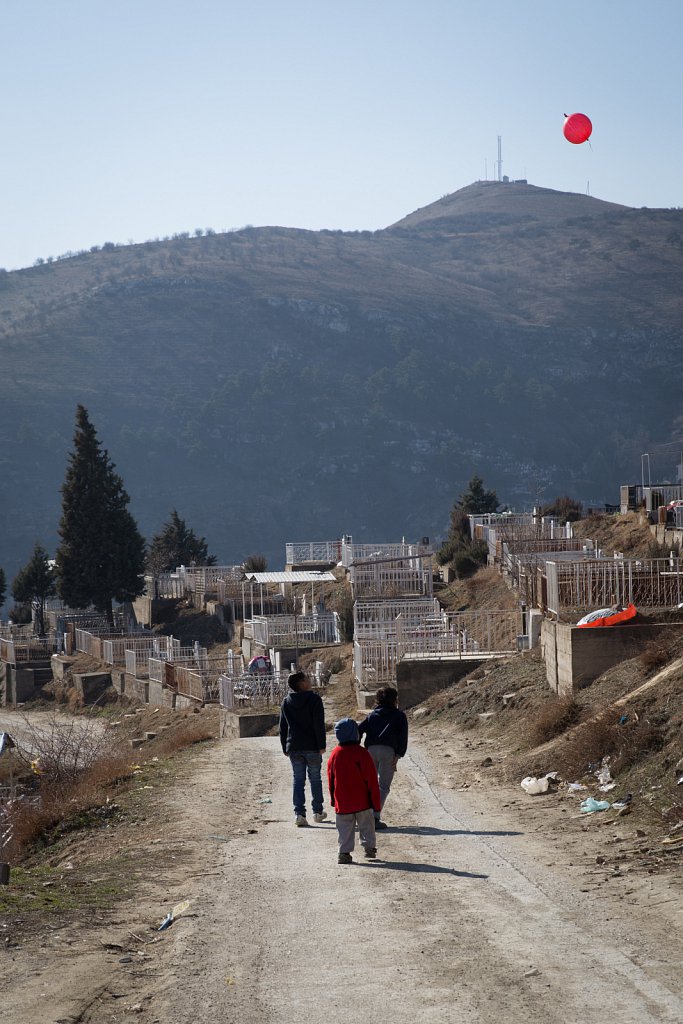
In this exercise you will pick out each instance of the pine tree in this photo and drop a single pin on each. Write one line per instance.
(474, 501)
(177, 545)
(101, 556)
(34, 583)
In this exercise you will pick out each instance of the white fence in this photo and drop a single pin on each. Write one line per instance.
(186, 580)
(359, 552)
(248, 690)
(392, 578)
(114, 650)
(22, 650)
(139, 651)
(191, 674)
(379, 618)
(328, 552)
(203, 578)
(165, 585)
(458, 635)
(604, 583)
(89, 641)
(182, 656)
(12, 632)
(295, 630)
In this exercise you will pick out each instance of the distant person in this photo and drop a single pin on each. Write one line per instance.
(386, 738)
(354, 791)
(302, 735)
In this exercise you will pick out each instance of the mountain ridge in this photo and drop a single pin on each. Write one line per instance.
(531, 336)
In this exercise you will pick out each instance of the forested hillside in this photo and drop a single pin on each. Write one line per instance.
(274, 384)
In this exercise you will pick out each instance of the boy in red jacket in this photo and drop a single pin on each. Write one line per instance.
(354, 791)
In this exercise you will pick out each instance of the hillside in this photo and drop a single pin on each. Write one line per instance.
(276, 384)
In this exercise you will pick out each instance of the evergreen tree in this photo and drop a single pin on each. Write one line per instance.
(3, 587)
(101, 556)
(255, 563)
(177, 545)
(476, 500)
(34, 583)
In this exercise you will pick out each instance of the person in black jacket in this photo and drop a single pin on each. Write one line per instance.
(302, 735)
(386, 737)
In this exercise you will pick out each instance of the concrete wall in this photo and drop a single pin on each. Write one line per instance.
(667, 535)
(138, 689)
(182, 702)
(575, 657)
(20, 683)
(160, 695)
(91, 685)
(417, 680)
(148, 610)
(254, 724)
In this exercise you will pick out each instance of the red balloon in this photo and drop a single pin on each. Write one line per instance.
(577, 128)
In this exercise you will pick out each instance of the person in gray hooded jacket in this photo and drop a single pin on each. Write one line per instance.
(386, 738)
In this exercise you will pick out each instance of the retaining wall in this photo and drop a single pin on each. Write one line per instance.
(417, 680)
(253, 724)
(575, 657)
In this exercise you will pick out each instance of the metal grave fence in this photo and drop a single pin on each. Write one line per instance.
(351, 552)
(138, 654)
(374, 619)
(327, 552)
(390, 578)
(580, 587)
(294, 630)
(455, 635)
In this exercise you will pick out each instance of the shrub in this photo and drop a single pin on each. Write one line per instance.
(654, 657)
(604, 736)
(255, 563)
(465, 565)
(553, 719)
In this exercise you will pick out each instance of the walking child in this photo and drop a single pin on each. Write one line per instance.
(354, 791)
(302, 735)
(386, 739)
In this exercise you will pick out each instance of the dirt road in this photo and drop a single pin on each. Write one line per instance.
(466, 916)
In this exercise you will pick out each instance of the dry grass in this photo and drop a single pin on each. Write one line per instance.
(604, 736)
(655, 656)
(64, 804)
(554, 718)
(188, 732)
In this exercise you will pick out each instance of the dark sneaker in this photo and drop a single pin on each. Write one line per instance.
(300, 821)
(370, 852)
(380, 824)
(344, 858)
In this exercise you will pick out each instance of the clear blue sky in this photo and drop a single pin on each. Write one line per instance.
(131, 119)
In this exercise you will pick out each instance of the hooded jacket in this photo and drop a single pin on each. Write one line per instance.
(387, 726)
(302, 722)
(352, 780)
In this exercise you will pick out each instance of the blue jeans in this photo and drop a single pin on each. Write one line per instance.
(307, 761)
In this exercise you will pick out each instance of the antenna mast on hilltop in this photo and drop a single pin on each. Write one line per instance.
(499, 162)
